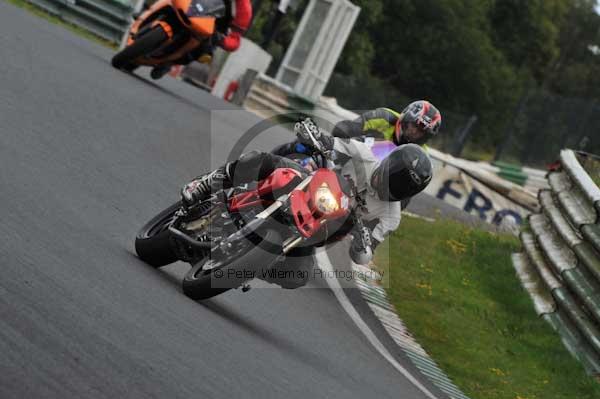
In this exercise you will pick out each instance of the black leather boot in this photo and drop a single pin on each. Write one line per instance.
(202, 187)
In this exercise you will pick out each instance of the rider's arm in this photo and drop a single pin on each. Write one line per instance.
(377, 229)
(239, 25)
(379, 123)
(358, 159)
(389, 220)
(348, 129)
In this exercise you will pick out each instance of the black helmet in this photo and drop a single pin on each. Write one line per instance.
(424, 115)
(406, 171)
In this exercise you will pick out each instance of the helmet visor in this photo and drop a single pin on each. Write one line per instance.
(416, 132)
(400, 186)
(403, 185)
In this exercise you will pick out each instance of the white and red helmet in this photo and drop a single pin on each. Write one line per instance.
(424, 115)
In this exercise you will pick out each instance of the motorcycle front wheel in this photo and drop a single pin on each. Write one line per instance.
(212, 277)
(145, 44)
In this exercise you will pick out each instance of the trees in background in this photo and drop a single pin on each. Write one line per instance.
(469, 56)
(261, 27)
(576, 70)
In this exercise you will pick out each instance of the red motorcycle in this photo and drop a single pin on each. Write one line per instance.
(167, 31)
(231, 236)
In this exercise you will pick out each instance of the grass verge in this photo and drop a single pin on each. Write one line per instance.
(457, 292)
(56, 20)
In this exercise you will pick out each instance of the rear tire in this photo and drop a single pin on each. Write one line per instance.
(145, 44)
(153, 241)
(201, 284)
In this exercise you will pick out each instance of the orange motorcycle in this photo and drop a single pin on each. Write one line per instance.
(163, 35)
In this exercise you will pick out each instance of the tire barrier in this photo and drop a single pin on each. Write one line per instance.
(560, 263)
(108, 19)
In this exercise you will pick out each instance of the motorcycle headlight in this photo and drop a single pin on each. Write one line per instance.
(325, 201)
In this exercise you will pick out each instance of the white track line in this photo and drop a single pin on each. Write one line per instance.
(325, 264)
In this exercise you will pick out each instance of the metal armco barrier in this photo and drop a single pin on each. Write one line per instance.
(266, 97)
(560, 263)
(531, 179)
(108, 19)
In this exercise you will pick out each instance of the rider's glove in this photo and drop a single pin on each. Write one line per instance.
(361, 250)
(304, 137)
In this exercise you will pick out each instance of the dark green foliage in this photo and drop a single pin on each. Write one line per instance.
(527, 32)
(577, 70)
(466, 56)
(261, 24)
(470, 56)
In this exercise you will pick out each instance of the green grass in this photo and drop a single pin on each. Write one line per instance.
(457, 292)
(56, 20)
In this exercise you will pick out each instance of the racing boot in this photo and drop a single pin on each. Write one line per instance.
(159, 71)
(202, 187)
(204, 54)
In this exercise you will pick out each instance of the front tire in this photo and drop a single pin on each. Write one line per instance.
(145, 44)
(153, 241)
(201, 284)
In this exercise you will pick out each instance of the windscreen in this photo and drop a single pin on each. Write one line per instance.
(199, 8)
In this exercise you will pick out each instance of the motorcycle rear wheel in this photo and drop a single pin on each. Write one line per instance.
(145, 44)
(228, 273)
(153, 241)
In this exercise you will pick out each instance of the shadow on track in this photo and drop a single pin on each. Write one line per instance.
(167, 92)
(280, 343)
(168, 275)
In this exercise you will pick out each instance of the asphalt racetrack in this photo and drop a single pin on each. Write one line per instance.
(87, 155)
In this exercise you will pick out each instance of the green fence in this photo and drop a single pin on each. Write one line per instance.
(108, 19)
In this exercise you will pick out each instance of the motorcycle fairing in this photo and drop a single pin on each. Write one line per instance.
(202, 8)
(201, 15)
(264, 193)
(307, 217)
